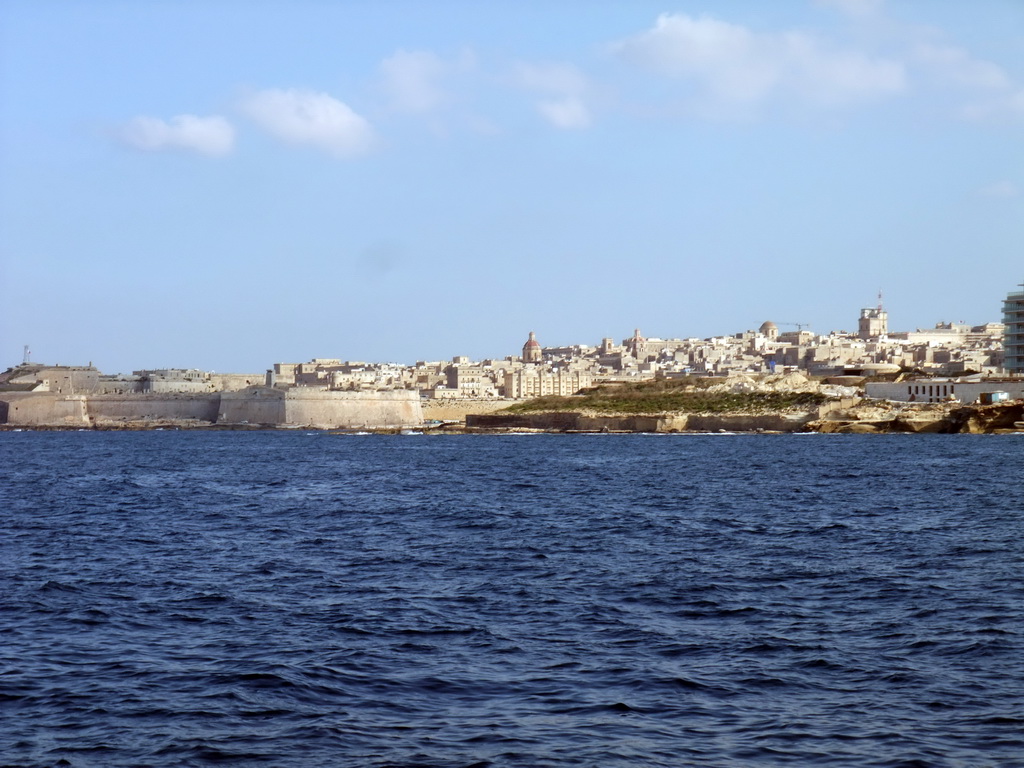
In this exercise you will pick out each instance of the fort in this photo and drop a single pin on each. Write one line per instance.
(951, 363)
(258, 406)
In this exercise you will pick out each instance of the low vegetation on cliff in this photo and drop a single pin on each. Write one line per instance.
(653, 397)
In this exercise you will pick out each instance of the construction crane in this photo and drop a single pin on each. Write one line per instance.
(799, 326)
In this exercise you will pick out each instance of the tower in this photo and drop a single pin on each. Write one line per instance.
(637, 344)
(874, 321)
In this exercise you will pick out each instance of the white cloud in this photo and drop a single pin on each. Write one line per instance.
(566, 113)
(735, 67)
(206, 135)
(554, 78)
(1000, 189)
(301, 116)
(957, 66)
(567, 93)
(412, 79)
(990, 91)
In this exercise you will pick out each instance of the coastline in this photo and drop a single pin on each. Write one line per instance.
(867, 417)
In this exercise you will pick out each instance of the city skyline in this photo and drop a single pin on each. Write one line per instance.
(222, 185)
(872, 325)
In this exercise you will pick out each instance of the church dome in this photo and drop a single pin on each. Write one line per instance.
(532, 350)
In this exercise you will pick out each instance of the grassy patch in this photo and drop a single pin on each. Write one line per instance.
(670, 396)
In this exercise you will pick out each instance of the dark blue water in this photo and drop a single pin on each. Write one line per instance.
(292, 599)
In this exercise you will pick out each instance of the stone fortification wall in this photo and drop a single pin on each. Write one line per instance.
(176, 386)
(145, 407)
(326, 410)
(315, 408)
(44, 409)
(321, 409)
(252, 406)
(118, 386)
(233, 382)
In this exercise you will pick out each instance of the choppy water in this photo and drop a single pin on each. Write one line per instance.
(292, 599)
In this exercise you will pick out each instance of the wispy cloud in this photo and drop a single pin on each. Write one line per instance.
(300, 116)
(856, 8)
(735, 68)
(413, 80)
(567, 92)
(957, 66)
(206, 135)
(1000, 189)
(987, 90)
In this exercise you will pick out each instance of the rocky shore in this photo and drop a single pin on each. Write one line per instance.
(784, 403)
(867, 417)
(765, 404)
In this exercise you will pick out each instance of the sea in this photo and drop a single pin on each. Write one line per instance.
(300, 598)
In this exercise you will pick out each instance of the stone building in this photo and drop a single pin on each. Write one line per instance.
(537, 382)
(1013, 333)
(873, 322)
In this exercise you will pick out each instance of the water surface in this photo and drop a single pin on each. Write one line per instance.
(294, 599)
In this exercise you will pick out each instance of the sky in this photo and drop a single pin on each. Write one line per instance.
(226, 184)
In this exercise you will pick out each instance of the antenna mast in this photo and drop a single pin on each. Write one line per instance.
(28, 356)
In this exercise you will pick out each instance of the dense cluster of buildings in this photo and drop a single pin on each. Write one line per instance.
(947, 350)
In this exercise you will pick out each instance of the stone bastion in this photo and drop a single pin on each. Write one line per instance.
(256, 406)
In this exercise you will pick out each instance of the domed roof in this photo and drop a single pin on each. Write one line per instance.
(768, 325)
(532, 341)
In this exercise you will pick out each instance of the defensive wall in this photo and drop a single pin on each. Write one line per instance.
(256, 406)
(43, 409)
(139, 407)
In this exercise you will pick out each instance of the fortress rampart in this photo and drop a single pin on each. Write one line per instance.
(258, 406)
(139, 407)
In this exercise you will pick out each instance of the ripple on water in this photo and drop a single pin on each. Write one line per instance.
(266, 599)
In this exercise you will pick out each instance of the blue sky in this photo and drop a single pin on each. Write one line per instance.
(225, 185)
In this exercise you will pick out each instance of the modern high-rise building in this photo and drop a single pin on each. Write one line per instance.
(1013, 336)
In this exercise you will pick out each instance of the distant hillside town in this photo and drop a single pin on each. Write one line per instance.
(950, 350)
